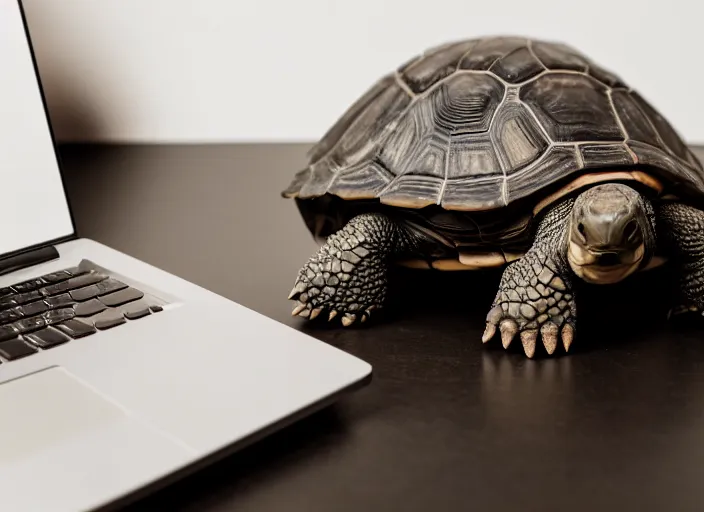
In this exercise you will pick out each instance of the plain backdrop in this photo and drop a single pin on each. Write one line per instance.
(284, 70)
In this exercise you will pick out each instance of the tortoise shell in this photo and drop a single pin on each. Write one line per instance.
(482, 124)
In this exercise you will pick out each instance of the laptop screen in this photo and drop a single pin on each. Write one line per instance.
(33, 199)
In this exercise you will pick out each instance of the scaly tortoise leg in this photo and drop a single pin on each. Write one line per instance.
(348, 275)
(681, 236)
(535, 295)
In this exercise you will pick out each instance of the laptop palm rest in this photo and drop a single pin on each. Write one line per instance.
(47, 408)
(53, 427)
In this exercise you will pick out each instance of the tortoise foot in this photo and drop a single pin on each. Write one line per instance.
(533, 301)
(332, 288)
(347, 278)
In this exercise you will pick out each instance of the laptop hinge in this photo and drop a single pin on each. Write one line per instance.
(27, 259)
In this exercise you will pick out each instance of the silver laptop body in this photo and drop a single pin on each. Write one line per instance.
(116, 376)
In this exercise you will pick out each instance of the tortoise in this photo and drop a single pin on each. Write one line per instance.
(499, 152)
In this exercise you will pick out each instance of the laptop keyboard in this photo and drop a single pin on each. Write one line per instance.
(56, 308)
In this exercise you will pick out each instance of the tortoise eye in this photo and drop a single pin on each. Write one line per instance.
(582, 231)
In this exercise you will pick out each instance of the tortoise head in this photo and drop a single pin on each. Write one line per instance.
(610, 232)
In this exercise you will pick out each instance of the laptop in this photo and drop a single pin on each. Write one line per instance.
(117, 377)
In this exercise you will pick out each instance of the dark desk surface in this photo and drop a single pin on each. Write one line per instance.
(446, 424)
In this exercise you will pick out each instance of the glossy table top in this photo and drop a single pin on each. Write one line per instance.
(447, 423)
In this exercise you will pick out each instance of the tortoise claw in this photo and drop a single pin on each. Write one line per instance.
(494, 316)
(297, 290)
(489, 332)
(681, 310)
(546, 308)
(529, 340)
(567, 336)
(548, 332)
(508, 330)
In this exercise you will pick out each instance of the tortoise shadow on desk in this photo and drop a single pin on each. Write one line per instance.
(428, 304)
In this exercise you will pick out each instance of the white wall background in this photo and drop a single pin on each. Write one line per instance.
(283, 70)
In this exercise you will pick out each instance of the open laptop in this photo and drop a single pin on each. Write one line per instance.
(115, 376)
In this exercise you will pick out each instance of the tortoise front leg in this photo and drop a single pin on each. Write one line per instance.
(348, 275)
(535, 295)
(681, 235)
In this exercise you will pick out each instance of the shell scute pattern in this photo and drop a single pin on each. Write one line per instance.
(559, 56)
(479, 124)
(572, 107)
(434, 65)
(519, 141)
(486, 52)
(518, 66)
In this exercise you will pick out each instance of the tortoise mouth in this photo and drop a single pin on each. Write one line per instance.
(604, 267)
(606, 275)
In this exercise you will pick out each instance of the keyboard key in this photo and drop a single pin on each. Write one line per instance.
(10, 315)
(60, 301)
(102, 288)
(56, 277)
(47, 338)
(8, 332)
(32, 323)
(156, 308)
(77, 271)
(56, 316)
(110, 285)
(121, 297)
(7, 302)
(15, 349)
(24, 298)
(90, 308)
(76, 328)
(73, 283)
(86, 293)
(108, 319)
(135, 310)
(6, 292)
(28, 286)
(33, 308)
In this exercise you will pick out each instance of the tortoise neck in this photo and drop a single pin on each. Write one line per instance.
(650, 241)
(553, 229)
